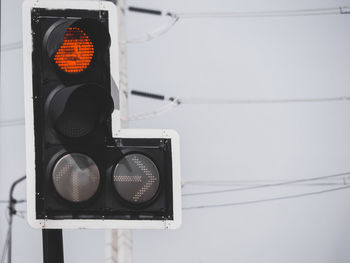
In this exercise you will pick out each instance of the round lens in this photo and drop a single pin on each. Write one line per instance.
(80, 115)
(136, 178)
(76, 177)
(76, 52)
(78, 111)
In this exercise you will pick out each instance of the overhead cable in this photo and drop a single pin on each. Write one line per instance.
(229, 183)
(175, 16)
(11, 46)
(16, 201)
(157, 32)
(12, 122)
(203, 100)
(272, 13)
(151, 114)
(241, 14)
(289, 182)
(141, 116)
(285, 197)
(176, 101)
(145, 10)
(154, 33)
(258, 101)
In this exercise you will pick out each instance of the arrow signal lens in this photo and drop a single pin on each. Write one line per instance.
(76, 177)
(136, 178)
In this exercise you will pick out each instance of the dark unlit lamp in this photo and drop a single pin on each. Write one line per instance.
(136, 178)
(76, 177)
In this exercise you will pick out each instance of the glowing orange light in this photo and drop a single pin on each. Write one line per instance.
(75, 53)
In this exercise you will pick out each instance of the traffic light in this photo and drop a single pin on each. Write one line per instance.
(83, 171)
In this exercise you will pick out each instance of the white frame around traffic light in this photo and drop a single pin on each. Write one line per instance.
(117, 132)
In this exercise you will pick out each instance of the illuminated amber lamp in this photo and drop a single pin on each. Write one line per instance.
(76, 52)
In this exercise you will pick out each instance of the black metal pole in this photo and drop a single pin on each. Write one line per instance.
(53, 246)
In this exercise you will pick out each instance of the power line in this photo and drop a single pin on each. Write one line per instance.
(159, 31)
(11, 46)
(155, 33)
(175, 16)
(203, 100)
(223, 101)
(145, 10)
(12, 122)
(16, 201)
(226, 183)
(267, 199)
(272, 13)
(174, 102)
(141, 116)
(269, 185)
(253, 184)
(152, 114)
(247, 14)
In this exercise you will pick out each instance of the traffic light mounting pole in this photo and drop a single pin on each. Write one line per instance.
(52, 246)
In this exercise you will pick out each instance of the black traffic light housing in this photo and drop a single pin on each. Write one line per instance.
(80, 174)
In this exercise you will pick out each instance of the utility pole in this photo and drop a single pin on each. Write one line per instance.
(12, 212)
(118, 247)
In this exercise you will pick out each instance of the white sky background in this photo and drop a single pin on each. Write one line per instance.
(259, 58)
(245, 58)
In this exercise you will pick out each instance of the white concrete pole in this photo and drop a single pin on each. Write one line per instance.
(119, 242)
